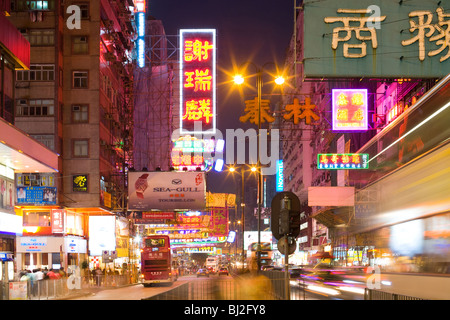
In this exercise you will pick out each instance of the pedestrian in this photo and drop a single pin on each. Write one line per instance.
(33, 285)
(98, 274)
(62, 273)
(39, 279)
(24, 276)
(53, 275)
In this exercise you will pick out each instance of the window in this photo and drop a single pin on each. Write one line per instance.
(84, 8)
(35, 107)
(80, 113)
(80, 45)
(26, 5)
(43, 37)
(37, 72)
(80, 79)
(46, 139)
(36, 219)
(80, 148)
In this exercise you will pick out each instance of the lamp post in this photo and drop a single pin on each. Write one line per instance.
(279, 80)
(242, 172)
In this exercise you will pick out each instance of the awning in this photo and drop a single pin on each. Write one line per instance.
(333, 216)
(24, 154)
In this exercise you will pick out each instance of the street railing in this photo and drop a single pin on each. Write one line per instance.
(372, 294)
(53, 289)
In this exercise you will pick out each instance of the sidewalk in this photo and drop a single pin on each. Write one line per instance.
(84, 292)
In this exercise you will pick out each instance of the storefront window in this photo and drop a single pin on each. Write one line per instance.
(37, 219)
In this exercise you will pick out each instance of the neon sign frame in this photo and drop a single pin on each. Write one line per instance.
(185, 93)
(334, 161)
(344, 108)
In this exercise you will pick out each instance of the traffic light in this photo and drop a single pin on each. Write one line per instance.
(285, 215)
(289, 219)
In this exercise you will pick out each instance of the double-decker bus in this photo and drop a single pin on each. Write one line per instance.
(212, 264)
(156, 260)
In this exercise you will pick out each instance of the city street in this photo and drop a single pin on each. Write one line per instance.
(224, 150)
(204, 287)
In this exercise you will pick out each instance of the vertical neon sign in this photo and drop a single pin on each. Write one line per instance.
(197, 80)
(279, 176)
(140, 18)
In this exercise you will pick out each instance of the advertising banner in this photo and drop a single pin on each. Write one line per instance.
(375, 38)
(36, 195)
(166, 191)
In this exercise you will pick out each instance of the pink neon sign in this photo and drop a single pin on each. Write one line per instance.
(350, 109)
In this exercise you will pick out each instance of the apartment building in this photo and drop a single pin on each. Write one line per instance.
(76, 98)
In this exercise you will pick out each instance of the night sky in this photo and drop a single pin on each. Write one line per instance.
(247, 30)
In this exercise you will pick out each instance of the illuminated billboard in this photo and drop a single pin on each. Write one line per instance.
(197, 80)
(343, 161)
(166, 191)
(350, 109)
(102, 234)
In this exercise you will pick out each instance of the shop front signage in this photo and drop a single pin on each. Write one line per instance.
(375, 38)
(80, 183)
(345, 161)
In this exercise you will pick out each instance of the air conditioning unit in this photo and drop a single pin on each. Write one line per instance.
(83, 39)
(110, 56)
(108, 23)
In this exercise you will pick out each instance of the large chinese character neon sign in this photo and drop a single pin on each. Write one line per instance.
(197, 80)
(350, 109)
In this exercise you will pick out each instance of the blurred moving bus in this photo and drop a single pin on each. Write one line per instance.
(156, 260)
(213, 263)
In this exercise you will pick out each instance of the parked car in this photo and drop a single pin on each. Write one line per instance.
(202, 273)
(223, 271)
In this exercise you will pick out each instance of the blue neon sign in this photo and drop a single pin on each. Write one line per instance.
(279, 181)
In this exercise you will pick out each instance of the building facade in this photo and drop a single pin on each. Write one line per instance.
(76, 98)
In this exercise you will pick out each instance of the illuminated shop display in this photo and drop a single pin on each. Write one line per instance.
(198, 80)
(350, 109)
(343, 161)
(189, 152)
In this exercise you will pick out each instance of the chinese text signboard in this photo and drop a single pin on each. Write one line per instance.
(375, 38)
(350, 109)
(197, 80)
(58, 216)
(343, 161)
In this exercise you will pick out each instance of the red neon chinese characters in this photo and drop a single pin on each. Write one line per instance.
(196, 50)
(198, 109)
(200, 82)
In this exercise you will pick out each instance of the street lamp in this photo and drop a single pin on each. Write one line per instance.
(279, 80)
(233, 169)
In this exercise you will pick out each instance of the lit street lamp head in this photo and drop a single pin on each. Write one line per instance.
(238, 79)
(279, 80)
